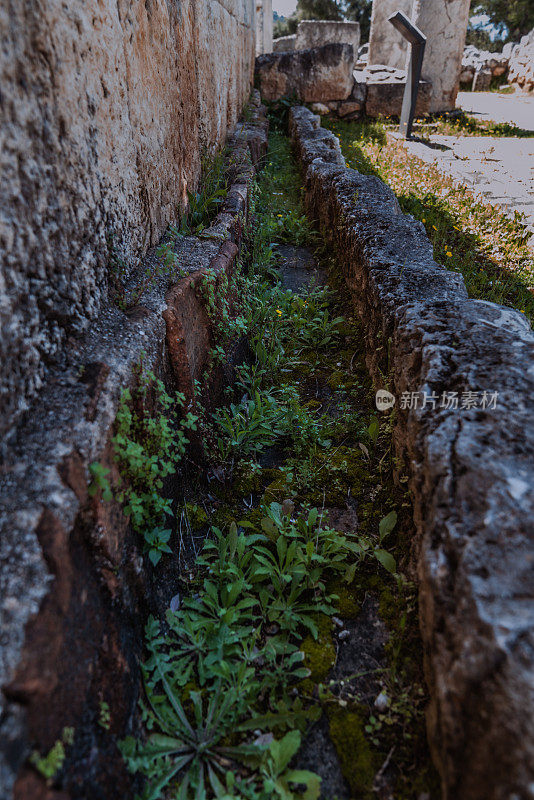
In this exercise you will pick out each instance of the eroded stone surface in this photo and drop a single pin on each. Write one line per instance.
(471, 470)
(105, 109)
(74, 590)
(284, 43)
(316, 75)
(444, 23)
(386, 45)
(316, 32)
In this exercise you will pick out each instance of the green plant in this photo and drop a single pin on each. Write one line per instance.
(104, 715)
(100, 481)
(147, 448)
(204, 202)
(249, 427)
(254, 635)
(278, 780)
(157, 543)
(49, 766)
(194, 747)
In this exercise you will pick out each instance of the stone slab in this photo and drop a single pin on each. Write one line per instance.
(315, 33)
(385, 95)
(315, 76)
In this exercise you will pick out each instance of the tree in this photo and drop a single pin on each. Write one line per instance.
(512, 18)
(320, 9)
(360, 11)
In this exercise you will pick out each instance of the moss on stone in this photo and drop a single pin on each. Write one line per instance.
(277, 491)
(359, 763)
(348, 606)
(319, 654)
(196, 515)
(247, 480)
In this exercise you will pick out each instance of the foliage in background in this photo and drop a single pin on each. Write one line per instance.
(511, 18)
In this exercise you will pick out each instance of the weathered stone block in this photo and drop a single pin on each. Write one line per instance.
(316, 75)
(481, 80)
(472, 469)
(386, 45)
(359, 90)
(385, 94)
(284, 44)
(315, 33)
(349, 108)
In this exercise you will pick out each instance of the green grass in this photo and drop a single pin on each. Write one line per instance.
(488, 247)
(459, 122)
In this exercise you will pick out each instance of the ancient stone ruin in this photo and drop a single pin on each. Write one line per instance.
(236, 560)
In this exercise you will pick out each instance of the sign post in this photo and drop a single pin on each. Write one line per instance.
(417, 39)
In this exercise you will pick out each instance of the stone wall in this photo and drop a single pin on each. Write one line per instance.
(471, 469)
(481, 63)
(105, 109)
(521, 66)
(75, 583)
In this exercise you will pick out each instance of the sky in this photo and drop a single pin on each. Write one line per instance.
(284, 7)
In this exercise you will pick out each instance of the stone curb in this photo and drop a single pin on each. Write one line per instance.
(471, 471)
(72, 585)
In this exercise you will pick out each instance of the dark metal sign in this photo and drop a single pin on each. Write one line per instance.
(417, 40)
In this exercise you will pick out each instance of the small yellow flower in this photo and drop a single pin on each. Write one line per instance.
(449, 253)
(434, 227)
(424, 220)
(522, 310)
(279, 215)
(278, 312)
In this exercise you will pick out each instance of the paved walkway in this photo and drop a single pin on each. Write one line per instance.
(517, 108)
(500, 170)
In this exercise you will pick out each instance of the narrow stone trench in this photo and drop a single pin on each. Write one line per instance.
(295, 469)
